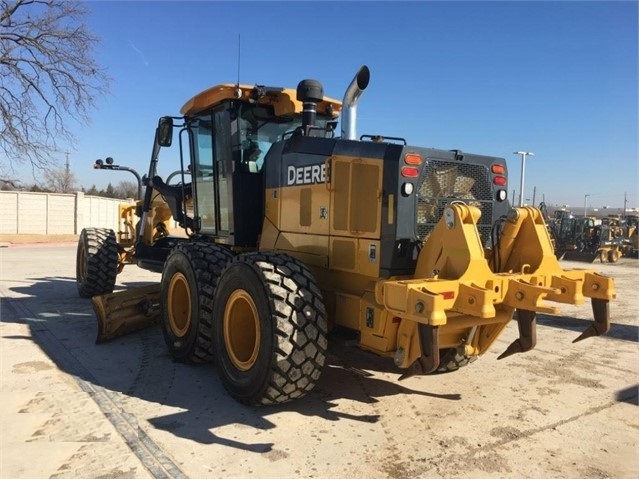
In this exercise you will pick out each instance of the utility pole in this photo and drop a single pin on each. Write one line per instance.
(523, 170)
(585, 204)
(534, 193)
(625, 201)
(66, 181)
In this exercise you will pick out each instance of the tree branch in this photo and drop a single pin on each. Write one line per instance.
(47, 77)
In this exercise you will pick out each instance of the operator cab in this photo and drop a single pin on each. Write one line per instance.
(224, 139)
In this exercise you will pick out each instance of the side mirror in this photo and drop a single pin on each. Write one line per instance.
(165, 131)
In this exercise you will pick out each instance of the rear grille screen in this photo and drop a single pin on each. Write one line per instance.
(444, 182)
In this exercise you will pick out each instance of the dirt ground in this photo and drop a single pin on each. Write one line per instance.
(124, 409)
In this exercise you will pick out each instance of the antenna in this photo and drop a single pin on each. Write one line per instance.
(238, 90)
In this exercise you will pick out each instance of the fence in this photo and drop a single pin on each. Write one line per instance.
(23, 212)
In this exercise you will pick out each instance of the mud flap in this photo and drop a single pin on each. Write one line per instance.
(126, 311)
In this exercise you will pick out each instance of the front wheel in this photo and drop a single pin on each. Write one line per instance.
(96, 262)
(269, 329)
(189, 278)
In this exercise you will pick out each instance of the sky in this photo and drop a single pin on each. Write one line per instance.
(555, 78)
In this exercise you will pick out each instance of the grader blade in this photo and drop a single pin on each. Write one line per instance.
(126, 311)
(580, 256)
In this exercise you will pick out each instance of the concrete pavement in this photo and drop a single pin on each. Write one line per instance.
(125, 409)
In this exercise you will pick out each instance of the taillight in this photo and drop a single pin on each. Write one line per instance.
(498, 169)
(499, 180)
(410, 172)
(412, 159)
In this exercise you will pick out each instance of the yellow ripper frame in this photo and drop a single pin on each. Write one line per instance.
(455, 288)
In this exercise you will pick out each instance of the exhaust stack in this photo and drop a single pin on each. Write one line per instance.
(349, 104)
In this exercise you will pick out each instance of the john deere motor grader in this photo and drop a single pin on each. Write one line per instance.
(290, 231)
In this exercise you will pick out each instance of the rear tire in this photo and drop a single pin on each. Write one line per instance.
(269, 329)
(96, 262)
(189, 278)
(452, 359)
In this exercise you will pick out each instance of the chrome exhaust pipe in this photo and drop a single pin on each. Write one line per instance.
(349, 103)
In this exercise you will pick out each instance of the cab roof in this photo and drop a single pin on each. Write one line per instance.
(283, 100)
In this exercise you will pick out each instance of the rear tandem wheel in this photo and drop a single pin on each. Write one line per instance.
(189, 278)
(269, 329)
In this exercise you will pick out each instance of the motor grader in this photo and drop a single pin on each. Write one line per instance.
(577, 239)
(279, 231)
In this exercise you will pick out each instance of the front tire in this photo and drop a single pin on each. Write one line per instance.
(189, 278)
(269, 329)
(96, 262)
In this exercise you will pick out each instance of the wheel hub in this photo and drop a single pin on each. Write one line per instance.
(179, 305)
(241, 330)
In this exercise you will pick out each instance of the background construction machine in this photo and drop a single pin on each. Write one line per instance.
(289, 232)
(588, 238)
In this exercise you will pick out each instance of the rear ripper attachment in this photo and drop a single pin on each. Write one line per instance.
(459, 295)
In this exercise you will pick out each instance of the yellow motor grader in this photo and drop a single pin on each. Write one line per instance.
(290, 231)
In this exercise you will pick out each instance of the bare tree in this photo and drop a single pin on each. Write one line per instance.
(126, 189)
(61, 180)
(48, 78)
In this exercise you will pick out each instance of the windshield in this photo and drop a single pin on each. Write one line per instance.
(260, 128)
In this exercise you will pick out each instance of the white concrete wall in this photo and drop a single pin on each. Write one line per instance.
(8, 212)
(25, 212)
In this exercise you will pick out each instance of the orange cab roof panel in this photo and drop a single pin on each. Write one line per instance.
(283, 100)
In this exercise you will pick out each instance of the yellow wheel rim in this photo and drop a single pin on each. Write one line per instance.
(179, 305)
(241, 330)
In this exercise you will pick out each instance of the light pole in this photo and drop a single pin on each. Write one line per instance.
(523, 168)
(585, 204)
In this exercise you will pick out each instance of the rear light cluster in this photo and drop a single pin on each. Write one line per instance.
(411, 168)
(499, 179)
(412, 162)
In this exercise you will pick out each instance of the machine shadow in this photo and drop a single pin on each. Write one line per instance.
(139, 366)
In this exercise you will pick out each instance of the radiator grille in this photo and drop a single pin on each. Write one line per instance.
(444, 182)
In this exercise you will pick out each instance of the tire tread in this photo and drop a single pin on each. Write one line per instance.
(101, 251)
